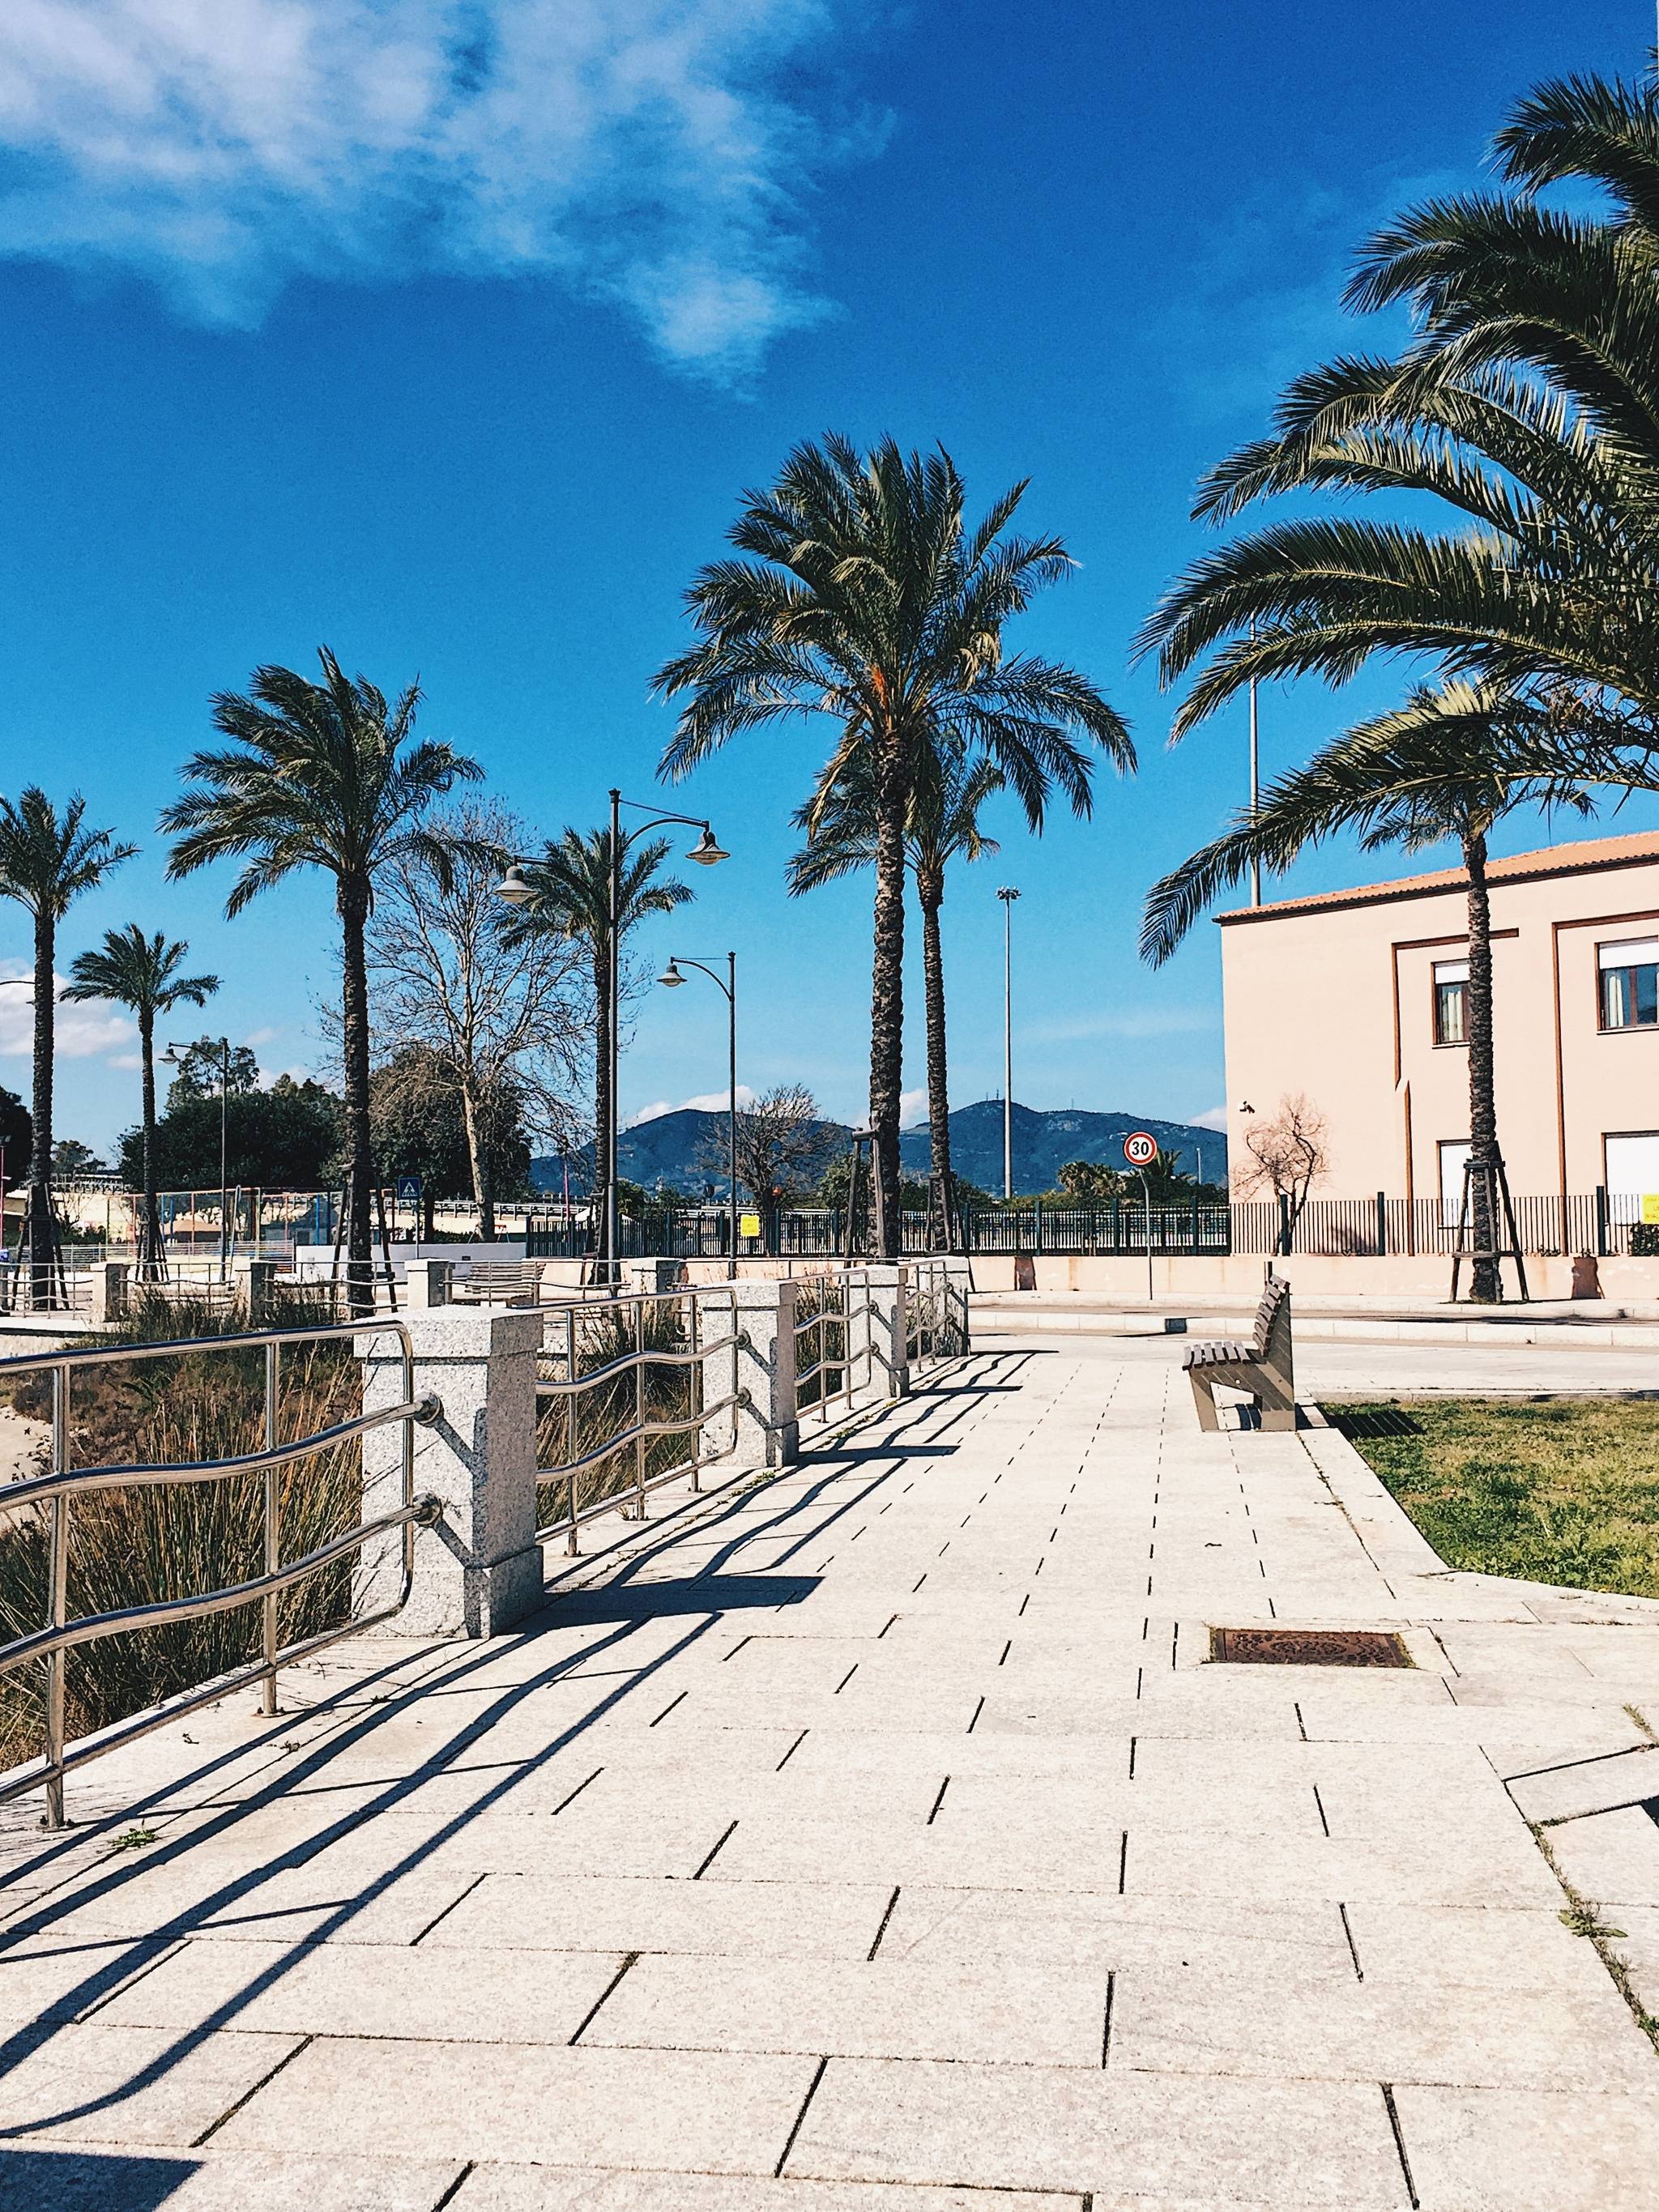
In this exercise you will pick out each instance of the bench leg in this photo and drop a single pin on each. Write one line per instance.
(1203, 1400)
(1278, 1406)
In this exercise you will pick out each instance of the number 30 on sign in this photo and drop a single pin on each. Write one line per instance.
(1139, 1149)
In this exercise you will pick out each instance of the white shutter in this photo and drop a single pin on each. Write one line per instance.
(1451, 971)
(1632, 952)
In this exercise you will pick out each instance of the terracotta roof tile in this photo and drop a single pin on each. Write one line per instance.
(1642, 848)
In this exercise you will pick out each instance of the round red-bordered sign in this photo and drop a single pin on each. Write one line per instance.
(1139, 1149)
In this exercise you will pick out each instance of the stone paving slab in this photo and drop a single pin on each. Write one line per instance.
(890, 1827)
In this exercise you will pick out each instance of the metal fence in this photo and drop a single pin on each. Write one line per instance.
(622, 1384)
(56, 1491)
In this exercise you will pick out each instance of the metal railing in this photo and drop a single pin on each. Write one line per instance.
(585, 1340)
(840, 1329)
(56, 1490)
(935, 1314)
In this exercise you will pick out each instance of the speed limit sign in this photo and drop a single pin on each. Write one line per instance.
(1139, 1149)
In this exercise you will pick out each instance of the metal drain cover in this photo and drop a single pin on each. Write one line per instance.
(1308, 1647)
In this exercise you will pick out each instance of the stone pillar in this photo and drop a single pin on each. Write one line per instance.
(261, 1286)
(427, 1282)
(767, 1435)
(888, 1293)
(481, 1569)
(653, 1278)
(109, 1291)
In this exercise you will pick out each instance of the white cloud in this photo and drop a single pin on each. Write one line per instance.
(1212, 1117)
(261, 1036)
(635, 150)
(87, 1031)
(912, 1108)
(706, 1101)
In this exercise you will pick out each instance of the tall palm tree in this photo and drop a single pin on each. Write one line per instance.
(571, 888)
(142, 973)
(46, 860)
(326, 775)
(1438, 767)
(946, 795)
(868, 597)
(1527, 403)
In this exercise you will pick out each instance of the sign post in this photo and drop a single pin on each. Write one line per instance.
(1140, 1149)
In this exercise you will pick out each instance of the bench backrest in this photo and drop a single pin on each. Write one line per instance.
(1275, 1304)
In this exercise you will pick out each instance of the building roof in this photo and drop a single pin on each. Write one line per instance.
(1580, 858)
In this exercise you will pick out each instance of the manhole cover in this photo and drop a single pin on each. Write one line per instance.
(1308, 1647)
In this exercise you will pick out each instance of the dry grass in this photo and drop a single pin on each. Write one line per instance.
(1554, 1489)
(135, 1546)
(603, 1334)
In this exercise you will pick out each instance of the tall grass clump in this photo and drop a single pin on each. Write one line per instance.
(137, 1545)
(824, 1348)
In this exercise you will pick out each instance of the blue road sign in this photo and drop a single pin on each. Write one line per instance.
(409, 1190)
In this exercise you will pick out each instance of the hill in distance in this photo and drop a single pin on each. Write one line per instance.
(670, 1150)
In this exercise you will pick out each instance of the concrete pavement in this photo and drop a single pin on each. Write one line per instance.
(885, 1842)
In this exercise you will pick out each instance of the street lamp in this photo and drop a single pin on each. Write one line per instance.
(516, 888)
(172, 1056)
(23, 983)
(1007, 895)
(671, 979)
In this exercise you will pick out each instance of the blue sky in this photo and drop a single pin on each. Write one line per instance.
(446, 332)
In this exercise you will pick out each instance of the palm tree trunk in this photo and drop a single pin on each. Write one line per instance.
(887, 991)
(1485, 1283)
(601, 1085)
(930, 890)
(42, 1227)
(360, 1151)
(150, 1269)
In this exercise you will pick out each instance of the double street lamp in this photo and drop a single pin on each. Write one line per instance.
(517, 889)
(671, 979)
(1007, 895)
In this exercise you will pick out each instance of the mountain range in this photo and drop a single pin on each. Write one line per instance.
(670, 1150)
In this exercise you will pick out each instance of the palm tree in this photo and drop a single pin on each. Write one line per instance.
(142, 973)
(571, 897)
(326, 775)
(46, 860)
(945, 797)
(1527, 403)
(1439, 766)
(869, 599)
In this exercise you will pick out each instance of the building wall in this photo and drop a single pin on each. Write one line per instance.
(1335, 1002)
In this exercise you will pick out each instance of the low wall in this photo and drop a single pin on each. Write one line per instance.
(1186, 1275)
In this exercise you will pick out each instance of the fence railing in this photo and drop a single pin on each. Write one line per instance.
(834, 1341)
(622, 1384)
(936, 1314)
(55, 1493)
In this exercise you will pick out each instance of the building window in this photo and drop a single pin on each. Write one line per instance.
(1454, 1159)
(1630, 983)
(1452, 1001)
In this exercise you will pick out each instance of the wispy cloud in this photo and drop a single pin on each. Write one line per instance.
(80, 1031)
(649, 152)
(1212, 1117)
(912, 1108)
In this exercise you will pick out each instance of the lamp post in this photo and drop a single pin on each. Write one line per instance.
(516, 888)
(171, 1057)
(1007, 895)
(1255, 787)
(23, 983)
(671, 979)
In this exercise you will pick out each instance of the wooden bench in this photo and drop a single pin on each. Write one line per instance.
(1263, 1369)
(498, 1283)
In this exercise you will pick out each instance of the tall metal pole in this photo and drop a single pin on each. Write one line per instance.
(1255, 787)
(1007, 895)
(224, 1159)
(731, 1101)
(613, 1044)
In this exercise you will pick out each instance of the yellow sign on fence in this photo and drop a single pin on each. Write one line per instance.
(1650, 1206)
(749, 1223)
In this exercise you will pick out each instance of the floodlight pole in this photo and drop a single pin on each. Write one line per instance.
(1007, 895)
(670, 976)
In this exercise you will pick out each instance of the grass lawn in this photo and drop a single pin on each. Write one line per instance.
(1555, 1490)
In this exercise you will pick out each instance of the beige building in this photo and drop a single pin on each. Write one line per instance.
(1356, 999)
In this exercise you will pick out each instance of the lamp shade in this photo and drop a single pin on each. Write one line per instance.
(671, 977)
(516, 887)
(707, 850)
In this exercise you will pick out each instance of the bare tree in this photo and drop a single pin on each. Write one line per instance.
(442, 976)
(1288, 1156)
(782, 1145)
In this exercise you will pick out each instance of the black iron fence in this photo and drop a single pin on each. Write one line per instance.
(1610, 1226)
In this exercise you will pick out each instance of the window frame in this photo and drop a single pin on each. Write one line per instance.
(1459, 984)
(1629, 969)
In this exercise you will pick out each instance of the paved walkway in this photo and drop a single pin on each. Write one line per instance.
(880, 1842)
